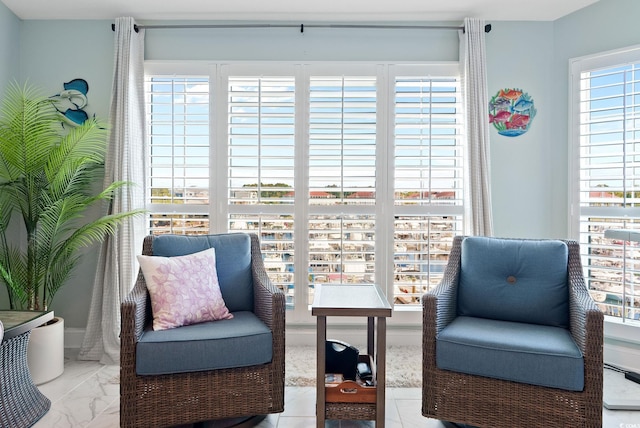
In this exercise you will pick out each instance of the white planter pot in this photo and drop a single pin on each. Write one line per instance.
(45, 354)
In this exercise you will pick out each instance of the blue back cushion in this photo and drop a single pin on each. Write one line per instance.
(233, 262)
(514, 280)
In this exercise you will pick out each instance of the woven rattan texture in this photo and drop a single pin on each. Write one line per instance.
(350, 411)
(486, 402)
(21, 403)
(168, 400)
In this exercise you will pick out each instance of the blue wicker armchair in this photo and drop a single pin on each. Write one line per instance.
(512, 338)
(214, 370)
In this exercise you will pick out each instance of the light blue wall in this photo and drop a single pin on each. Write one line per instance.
(519, 55)
(606, 25)
(315, 44)
(54, 52)
(529, 173)
(9, 46)
(9, 71)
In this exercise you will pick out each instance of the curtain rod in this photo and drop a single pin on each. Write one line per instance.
(487, 28)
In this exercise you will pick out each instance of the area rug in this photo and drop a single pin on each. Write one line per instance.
(403, 366)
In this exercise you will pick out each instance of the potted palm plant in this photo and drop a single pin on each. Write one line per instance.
(48, 179)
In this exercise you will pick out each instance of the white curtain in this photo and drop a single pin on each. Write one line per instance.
(475, 97)
(115, 273)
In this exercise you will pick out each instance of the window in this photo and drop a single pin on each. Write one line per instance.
(349, 173)
(260, 152)
(606, 138)
(428, 189)
(342, 179)
(178, 110)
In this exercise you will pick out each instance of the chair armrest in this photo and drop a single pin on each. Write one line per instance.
(585, 318)
(135, 315)
(440, 304)
(269, 306)
(586, 323)
(269, 300)
(438, 310)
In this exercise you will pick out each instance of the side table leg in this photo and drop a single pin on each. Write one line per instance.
(321, 338)
(381, 366)
(371, 335)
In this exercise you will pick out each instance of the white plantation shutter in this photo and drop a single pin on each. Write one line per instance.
(342, 179)
(428, 146)
(261, 121)
(261, 158)
(276, 243)
(342, 140)
(178, 132)
(166, 221)
(608, 155)
(428, 178)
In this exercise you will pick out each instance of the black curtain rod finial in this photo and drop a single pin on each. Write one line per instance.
(487, 28)
(135, 27)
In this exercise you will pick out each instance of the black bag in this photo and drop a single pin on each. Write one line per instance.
(341, 358)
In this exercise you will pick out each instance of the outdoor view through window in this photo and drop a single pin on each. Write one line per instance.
(607, 153)
(342, 182)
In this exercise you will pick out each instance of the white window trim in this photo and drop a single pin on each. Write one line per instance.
(614, 328)
(576, 66)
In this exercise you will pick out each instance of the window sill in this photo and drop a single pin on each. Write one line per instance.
(623, 331)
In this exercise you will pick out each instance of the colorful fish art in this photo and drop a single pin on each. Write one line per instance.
(511, 112)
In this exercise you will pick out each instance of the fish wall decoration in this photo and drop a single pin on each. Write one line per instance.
(511, 112)
(71, 101)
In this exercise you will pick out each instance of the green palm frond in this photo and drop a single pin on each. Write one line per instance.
(13, 273)
(48, 176)
(77, 177)
(6, 211)
(58, 274)
(29, 128)
(95, 231)
(84, 145)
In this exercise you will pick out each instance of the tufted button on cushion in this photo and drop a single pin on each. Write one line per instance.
(511, 279)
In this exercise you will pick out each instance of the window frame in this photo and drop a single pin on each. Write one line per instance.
(624, 329)
(218, 209)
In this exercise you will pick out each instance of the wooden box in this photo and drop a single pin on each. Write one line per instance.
(350, 391)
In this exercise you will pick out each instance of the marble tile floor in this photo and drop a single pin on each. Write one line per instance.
(87, 395)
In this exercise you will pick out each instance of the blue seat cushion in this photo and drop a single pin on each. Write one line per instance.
(233, 262)
(241, 341)
(526, 353)
(514, 280)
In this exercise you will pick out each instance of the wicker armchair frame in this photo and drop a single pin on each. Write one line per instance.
(169, 400)
(486, 402)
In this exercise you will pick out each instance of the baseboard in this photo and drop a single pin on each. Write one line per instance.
(73, 337)
(622, 354)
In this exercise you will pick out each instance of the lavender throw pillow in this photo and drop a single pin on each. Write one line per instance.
(183, 289)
